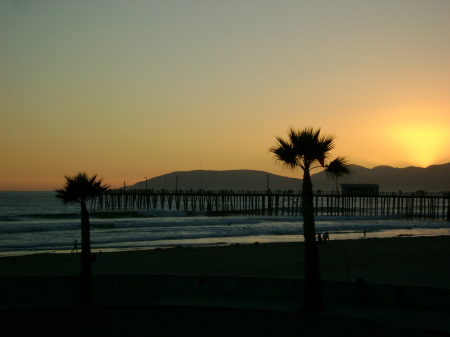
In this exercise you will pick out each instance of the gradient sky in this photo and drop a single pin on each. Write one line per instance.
(134, 89)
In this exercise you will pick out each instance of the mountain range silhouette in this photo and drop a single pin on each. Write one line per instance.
(434, 178)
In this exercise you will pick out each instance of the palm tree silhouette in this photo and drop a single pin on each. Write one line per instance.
(337, 169)
(81, 188)
(307, 149)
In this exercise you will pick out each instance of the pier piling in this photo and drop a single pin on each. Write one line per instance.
(273, 203)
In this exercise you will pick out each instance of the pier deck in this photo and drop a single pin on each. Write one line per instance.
(285, 203)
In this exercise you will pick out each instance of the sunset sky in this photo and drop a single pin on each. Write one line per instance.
(134, 89)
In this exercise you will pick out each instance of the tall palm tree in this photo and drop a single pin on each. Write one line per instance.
(307, 149)
(80, 189)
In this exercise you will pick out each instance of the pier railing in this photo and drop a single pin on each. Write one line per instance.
(420, 204)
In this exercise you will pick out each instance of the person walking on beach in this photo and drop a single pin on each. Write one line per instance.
(319, 239)
(75, 247)
(326, 237)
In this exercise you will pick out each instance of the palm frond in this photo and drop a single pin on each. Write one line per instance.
(311, 145)
(80, 188)
(338, 168)
(305, 148)
(284, 153)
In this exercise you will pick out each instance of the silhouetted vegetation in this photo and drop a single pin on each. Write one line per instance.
(81, 188)
(307, 149)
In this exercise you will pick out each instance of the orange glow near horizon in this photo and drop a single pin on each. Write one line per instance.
(405, 135)
(147, 88)
(423, 144)
(417, 135)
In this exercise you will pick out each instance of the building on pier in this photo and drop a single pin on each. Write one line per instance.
(360, 189)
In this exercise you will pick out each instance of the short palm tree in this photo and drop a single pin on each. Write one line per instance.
(337, 169)
(307, 149)
(80, 189)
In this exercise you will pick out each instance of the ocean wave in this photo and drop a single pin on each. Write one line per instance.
(21, 227)
(9, 218)
(95, 215)
(42, 216)
(57, 216)
(138, 214)
(100, 225)
(263, 225)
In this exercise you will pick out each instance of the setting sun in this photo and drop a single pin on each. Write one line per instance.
(423, 144)
(146, 88)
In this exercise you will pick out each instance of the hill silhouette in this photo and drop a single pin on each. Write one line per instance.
(434, 178)
(221, 180)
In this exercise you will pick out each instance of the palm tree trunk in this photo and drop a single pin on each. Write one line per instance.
(312, 296)
(85, 279)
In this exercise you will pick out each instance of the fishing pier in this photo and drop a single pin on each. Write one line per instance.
(418, 204)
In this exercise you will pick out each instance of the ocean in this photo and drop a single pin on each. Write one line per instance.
(37, 222)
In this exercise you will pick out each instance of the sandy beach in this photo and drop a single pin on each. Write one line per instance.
(420, 261)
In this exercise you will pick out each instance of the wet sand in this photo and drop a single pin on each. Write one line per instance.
(420, 261)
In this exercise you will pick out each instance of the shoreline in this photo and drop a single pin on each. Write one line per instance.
(419, 261)
(244, 240)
